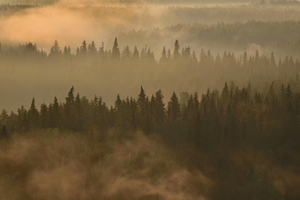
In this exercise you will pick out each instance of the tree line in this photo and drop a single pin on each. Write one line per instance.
(177, 61)
(234, 115)
(203, 131)
(215, 124)
(178, 56)
(234, 36)
(178, 68)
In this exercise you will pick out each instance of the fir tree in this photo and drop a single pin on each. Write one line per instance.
(159, 107)
(115, 50)
(163, 58)
(176, 53)
(174, 108)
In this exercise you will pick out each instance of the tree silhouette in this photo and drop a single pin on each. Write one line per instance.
(115, 50)
(173, 108)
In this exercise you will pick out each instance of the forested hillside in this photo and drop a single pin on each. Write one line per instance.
(105, 71)
(280, 37)
(149, 100)
(248, 138)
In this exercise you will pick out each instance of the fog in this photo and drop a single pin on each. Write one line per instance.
(44, 25)
(174, 100)
(71, 22)
(144, 25)
(54, 165)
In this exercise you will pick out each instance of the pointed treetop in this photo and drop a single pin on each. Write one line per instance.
(115, 50)
(176, 53)
(142, 95)
(32, 104)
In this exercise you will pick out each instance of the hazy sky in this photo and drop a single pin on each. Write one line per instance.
(70, 22)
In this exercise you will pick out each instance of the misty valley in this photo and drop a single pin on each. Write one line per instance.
(149, 100)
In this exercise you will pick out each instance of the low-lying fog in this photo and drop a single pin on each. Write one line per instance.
(72, 22)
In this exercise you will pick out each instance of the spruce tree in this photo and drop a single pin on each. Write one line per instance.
(142, 107)
(78, 114)
(159, 107)
(176, 53)
(174, 108)
(115, 50)
(135, 55)
(83, 48)
(56, 114)
(33, 115)
(126, 54)
(55, 50)
(92, 50)
(69, 110)
(163, 58)
(44, 118)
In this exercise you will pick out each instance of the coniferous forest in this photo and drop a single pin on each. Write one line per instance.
(150, 100)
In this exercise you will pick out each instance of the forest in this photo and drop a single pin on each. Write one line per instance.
(149, 100)
(253, 129)
(91, 66)
(217, 133)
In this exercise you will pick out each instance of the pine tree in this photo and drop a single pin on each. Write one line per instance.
(176, 53)
(33, 115)
(115, 50)
(245, 59)
(67, 51)
(271, 98)
(103, 117)
(22, 120)
(194, 59)
(55, 50)
(78, 114)
(159, 107)
(69, 110)
(163, 58)
(118, 103)
(173, 108)
(225, 94)
(135, 55)
(152, 112)
(193, 119)
(44, 118)
(126, 54)
(169, 56)
(92, 50)
(272, 60)
(141, 98)
(83, 48)
(142, 107)
(56, 114)
(149, 57)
